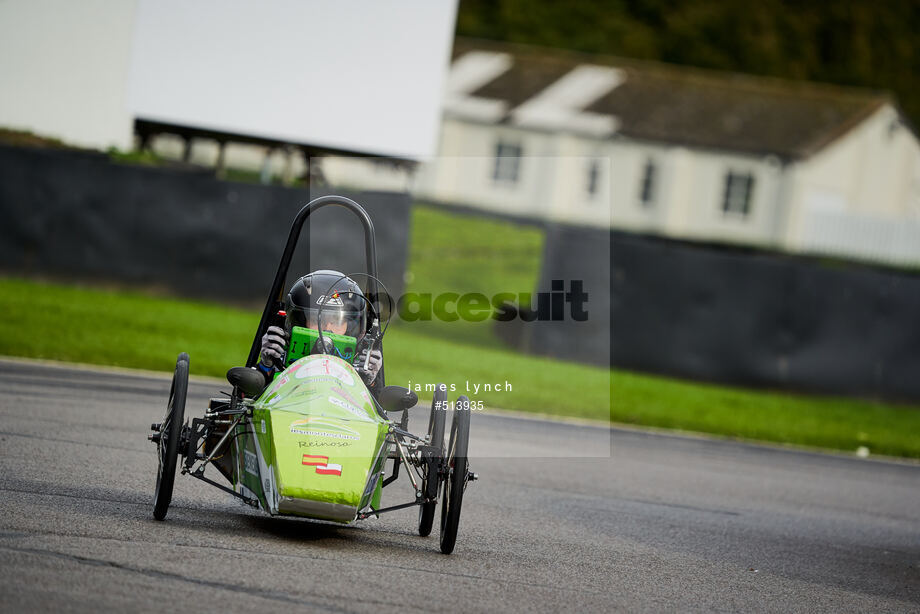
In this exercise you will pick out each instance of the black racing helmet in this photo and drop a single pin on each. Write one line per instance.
(329, 295)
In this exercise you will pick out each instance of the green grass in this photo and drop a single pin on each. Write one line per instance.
(141, 158)
(456, 252)
(126, 329)
(819, 421)
(134, 330)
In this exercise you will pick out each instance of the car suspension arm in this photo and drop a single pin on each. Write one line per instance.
(373, 512)
(405, 460)
(199, 473)
(216, 449)
(392, 478)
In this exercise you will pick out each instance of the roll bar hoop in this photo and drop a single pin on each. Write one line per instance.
(276, 294)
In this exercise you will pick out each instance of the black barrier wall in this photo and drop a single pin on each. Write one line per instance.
(735, 316)
(702, 312)
(77, 215)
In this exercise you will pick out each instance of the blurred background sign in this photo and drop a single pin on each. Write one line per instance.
(300, 72)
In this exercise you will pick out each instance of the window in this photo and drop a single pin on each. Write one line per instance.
(594, 171)
(647, 187)
(507, 162)
(736, 199)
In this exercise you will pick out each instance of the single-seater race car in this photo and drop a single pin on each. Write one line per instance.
(315, 441)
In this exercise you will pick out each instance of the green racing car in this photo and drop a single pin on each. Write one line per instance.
(315, 441)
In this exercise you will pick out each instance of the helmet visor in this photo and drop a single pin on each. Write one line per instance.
(334, 320)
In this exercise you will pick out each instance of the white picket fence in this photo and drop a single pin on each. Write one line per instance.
(861, 237)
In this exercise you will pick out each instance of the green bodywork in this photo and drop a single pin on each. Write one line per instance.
(315, 446)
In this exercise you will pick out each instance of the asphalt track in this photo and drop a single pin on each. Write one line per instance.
(650, 523)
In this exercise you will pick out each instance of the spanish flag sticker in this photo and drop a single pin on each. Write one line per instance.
(322, 464)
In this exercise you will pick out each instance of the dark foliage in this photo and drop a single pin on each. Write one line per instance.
(861, 43)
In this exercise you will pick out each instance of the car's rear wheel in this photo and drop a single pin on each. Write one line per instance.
(457, 474)
(169, 433)
(436, 422)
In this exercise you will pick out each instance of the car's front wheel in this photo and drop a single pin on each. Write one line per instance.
(457, 474)
(167, 438)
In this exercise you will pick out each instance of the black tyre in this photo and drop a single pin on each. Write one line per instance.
(169, 434)
(436, 438)
(455, 480)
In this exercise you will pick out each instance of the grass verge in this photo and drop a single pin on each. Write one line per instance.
(133, 330)
(462, 253)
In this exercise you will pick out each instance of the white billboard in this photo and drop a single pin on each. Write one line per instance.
(64, 68)
(357, 75)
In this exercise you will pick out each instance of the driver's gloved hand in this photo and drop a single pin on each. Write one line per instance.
(373, 366)
(273, 343)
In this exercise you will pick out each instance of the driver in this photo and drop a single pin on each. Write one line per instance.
(344, 312)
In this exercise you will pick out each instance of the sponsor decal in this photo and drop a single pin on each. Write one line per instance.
(250, 463)
(302, 392)
(325, 379)
(278, 384)
(322, 464)
(345, 394)
(328, 368)
(305, 395)
(348, 407)
(318, 426)
(332, 300)
(361, 391)
(263, 427)
(317, 443)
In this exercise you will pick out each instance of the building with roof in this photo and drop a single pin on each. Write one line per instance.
(678, 152)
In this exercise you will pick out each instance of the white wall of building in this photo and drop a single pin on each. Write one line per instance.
(63, 69)
(464, 171)
(687, 190)
(628, 164)
(364, 173)
(570, 200)
(701, 192)
(860, 195)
